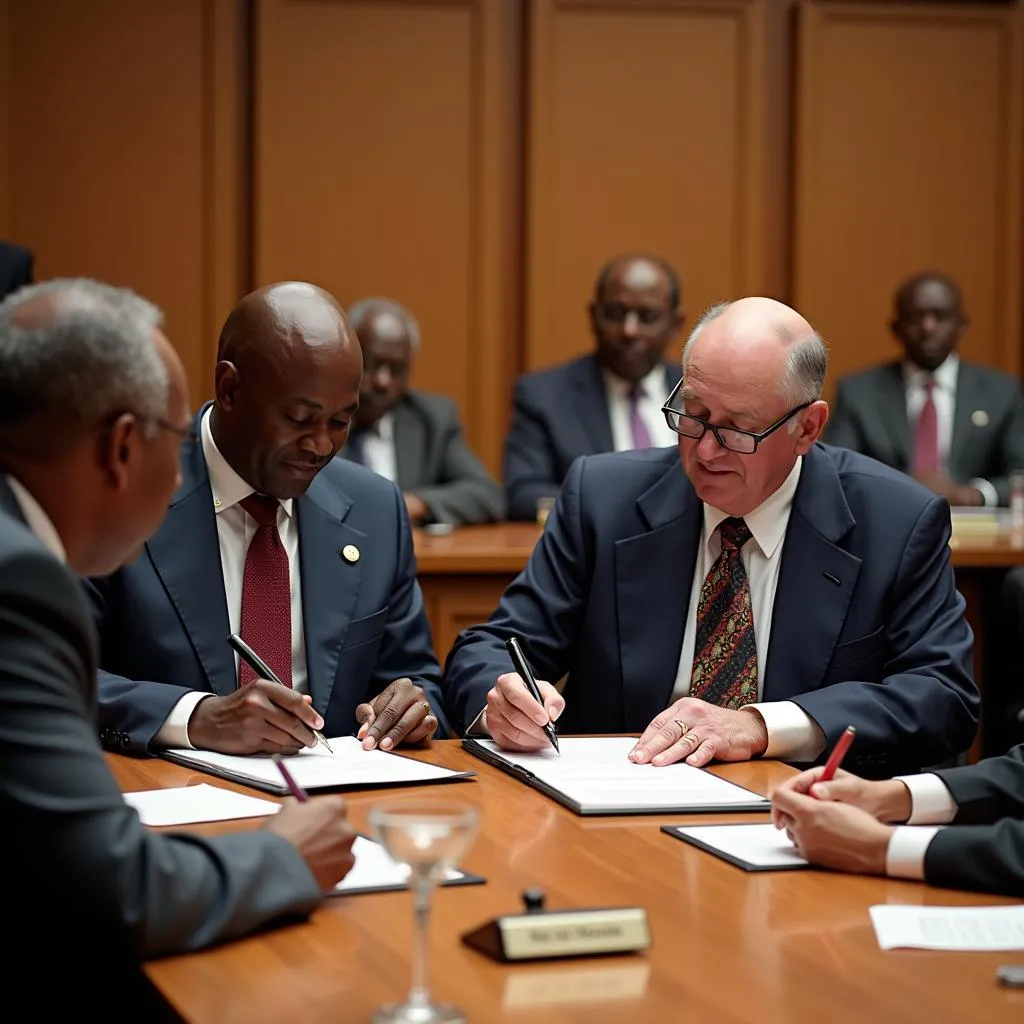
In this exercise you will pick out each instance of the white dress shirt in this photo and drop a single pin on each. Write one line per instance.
(379, 448)
(792, 733)
(931, 803)
(655, 394)
(37, 520)
(235, 529)
(944, 396)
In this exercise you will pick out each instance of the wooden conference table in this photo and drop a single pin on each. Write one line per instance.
(728, 947)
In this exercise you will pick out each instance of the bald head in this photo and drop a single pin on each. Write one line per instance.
(287, 386)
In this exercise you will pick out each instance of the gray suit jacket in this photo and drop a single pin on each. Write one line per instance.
(434, 462)
(94, 881)
(870, 416)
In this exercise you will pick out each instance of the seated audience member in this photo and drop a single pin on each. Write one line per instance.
(93, 401)
(15, 268)
(892, 828)
(307, 557)
(754, 601)
(955, 426)
(409, 436)
(609, 401)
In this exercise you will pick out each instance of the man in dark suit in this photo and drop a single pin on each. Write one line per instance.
(307, 557)
(955, 426)
(756, 601)
(88, 460)
(15, 268)
(411, 437)
(892, 828)
(608, 401)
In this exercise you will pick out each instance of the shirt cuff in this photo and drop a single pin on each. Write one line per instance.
(792, 734)
(478, 727)
(931, 803)
(174, 731)
(905, 856)
(989, 497)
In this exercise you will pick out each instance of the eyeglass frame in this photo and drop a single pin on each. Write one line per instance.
(756, 436)
(187, 434)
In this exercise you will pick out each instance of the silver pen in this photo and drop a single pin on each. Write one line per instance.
(262, 669)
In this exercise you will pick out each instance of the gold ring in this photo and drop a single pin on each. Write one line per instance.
(426, 705)
(683, 728)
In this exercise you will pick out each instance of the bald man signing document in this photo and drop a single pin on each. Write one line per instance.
(753, 601)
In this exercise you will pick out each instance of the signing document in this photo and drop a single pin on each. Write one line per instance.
(593, 775)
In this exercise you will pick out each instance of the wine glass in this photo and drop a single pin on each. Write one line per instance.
(429, 836)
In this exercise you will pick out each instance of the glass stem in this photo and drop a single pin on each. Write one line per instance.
(419, 994)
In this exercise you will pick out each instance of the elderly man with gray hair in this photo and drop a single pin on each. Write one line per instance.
(93, 407)
(413, 438)
(754, 601)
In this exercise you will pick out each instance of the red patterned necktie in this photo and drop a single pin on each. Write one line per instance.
(266, 593)
(926, 433)
(725, 653)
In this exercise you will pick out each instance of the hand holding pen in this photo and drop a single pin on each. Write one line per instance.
(521, 709)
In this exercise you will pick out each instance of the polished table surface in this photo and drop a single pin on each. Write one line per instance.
(728, 947)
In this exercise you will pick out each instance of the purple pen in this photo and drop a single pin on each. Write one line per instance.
(293, 787)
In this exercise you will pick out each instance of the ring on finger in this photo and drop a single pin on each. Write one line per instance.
(683, 728)
(426, 705)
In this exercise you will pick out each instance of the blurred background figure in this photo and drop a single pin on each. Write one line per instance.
(15, 268)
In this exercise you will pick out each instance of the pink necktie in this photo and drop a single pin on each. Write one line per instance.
(266, 593)
(926, 434)
(641, 438)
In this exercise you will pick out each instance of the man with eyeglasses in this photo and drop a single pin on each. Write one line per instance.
(755, 601)
(608, 401)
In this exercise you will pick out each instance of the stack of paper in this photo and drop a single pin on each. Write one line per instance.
(949, 928)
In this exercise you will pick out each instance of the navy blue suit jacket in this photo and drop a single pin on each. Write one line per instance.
(605, 596)
(163, 621)
(557, 416)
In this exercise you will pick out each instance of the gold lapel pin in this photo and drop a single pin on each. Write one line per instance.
(979, 418)
(350, 553)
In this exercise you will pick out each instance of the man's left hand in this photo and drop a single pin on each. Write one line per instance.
(831, 834)
(955, 494)
(399, 714)
(416, 508)
(710, 732)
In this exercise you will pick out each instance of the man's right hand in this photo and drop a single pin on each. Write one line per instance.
(321, 833)
(259, 718)
(888, 801)
(515, 720)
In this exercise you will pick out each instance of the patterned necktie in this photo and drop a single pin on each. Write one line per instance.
(266, 593)
(641, 438)
(725, 652)
(926, 434)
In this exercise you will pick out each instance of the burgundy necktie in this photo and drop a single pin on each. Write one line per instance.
(725, 651)
(926, 434)
(641, 438)
(266, 593)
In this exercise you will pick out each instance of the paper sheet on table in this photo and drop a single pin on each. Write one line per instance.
(593, 775)
(316, 768)
(752, 847)
(375, 871)
(188, 805)
(948, 928)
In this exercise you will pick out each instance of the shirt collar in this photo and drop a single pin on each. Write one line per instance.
(37, 520)
(227, 486)
(654, 384)
(944, 377)
(768, 522)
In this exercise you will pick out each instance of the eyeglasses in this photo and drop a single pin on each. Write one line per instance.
(615, 313)
(187, 434)
(743, 442)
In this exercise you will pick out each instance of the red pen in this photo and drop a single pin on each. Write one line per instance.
(294, 788)
(835, 759)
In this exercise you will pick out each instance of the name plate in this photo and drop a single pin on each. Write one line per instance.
(540, 934)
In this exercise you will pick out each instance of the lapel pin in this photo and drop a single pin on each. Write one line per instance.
(979, 418)
(350, 553)
(216, 502)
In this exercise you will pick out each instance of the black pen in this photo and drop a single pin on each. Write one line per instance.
(293, 787)
(516, 654)
(264, 671)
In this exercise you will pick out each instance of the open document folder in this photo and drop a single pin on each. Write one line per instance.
(593, 775)
(315, 768)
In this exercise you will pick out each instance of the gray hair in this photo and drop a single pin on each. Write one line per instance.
(86, 355)
(803, 375)
(360, 310)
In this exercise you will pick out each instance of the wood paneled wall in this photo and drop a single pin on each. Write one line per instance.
(479, 159)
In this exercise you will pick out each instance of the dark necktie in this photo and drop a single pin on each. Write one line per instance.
(725, 653)
(926, 434)
(266, 593)
(641, 436)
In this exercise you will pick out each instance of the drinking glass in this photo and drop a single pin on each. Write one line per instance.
(429, 836)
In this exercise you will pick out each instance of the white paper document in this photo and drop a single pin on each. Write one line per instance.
(374, 870)
(595, 776)
(316, 768)
(755, 847)
(949, 928)
(188, 805)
